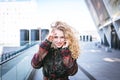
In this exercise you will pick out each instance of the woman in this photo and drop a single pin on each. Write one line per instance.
(58, 53)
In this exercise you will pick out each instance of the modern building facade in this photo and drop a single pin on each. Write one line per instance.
(106, 16)
(14, 16)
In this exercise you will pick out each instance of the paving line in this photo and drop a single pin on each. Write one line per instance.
(86, 73)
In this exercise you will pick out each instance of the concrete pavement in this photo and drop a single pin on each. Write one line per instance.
(100, 63)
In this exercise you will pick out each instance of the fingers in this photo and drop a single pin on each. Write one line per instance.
(51, 36)
(66, 44)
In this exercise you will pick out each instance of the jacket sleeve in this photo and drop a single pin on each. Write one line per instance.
(69, 62)
(38, 57)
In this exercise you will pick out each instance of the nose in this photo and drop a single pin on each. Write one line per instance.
(59, 40)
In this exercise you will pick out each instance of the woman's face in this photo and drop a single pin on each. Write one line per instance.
(59, 38)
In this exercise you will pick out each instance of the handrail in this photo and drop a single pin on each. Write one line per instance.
(8, 56)
(18, 66)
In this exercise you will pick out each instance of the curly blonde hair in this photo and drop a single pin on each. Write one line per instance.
(70, 35)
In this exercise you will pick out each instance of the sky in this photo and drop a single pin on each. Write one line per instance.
(73, 12)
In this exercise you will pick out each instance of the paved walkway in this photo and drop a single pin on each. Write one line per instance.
(95, 63)
(102, 64)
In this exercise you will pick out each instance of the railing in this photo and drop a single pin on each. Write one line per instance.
(17, 65)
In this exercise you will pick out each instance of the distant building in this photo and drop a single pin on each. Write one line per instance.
(16, 15)
(89, 36)
(44, 33)
(24, 37)
(28, 36)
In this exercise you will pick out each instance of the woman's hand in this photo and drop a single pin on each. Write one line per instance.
(66, 44)
(50, 36)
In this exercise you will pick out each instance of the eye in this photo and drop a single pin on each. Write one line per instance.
(55, 36)
(62, 37)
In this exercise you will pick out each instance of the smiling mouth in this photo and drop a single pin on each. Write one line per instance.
(58, 44)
